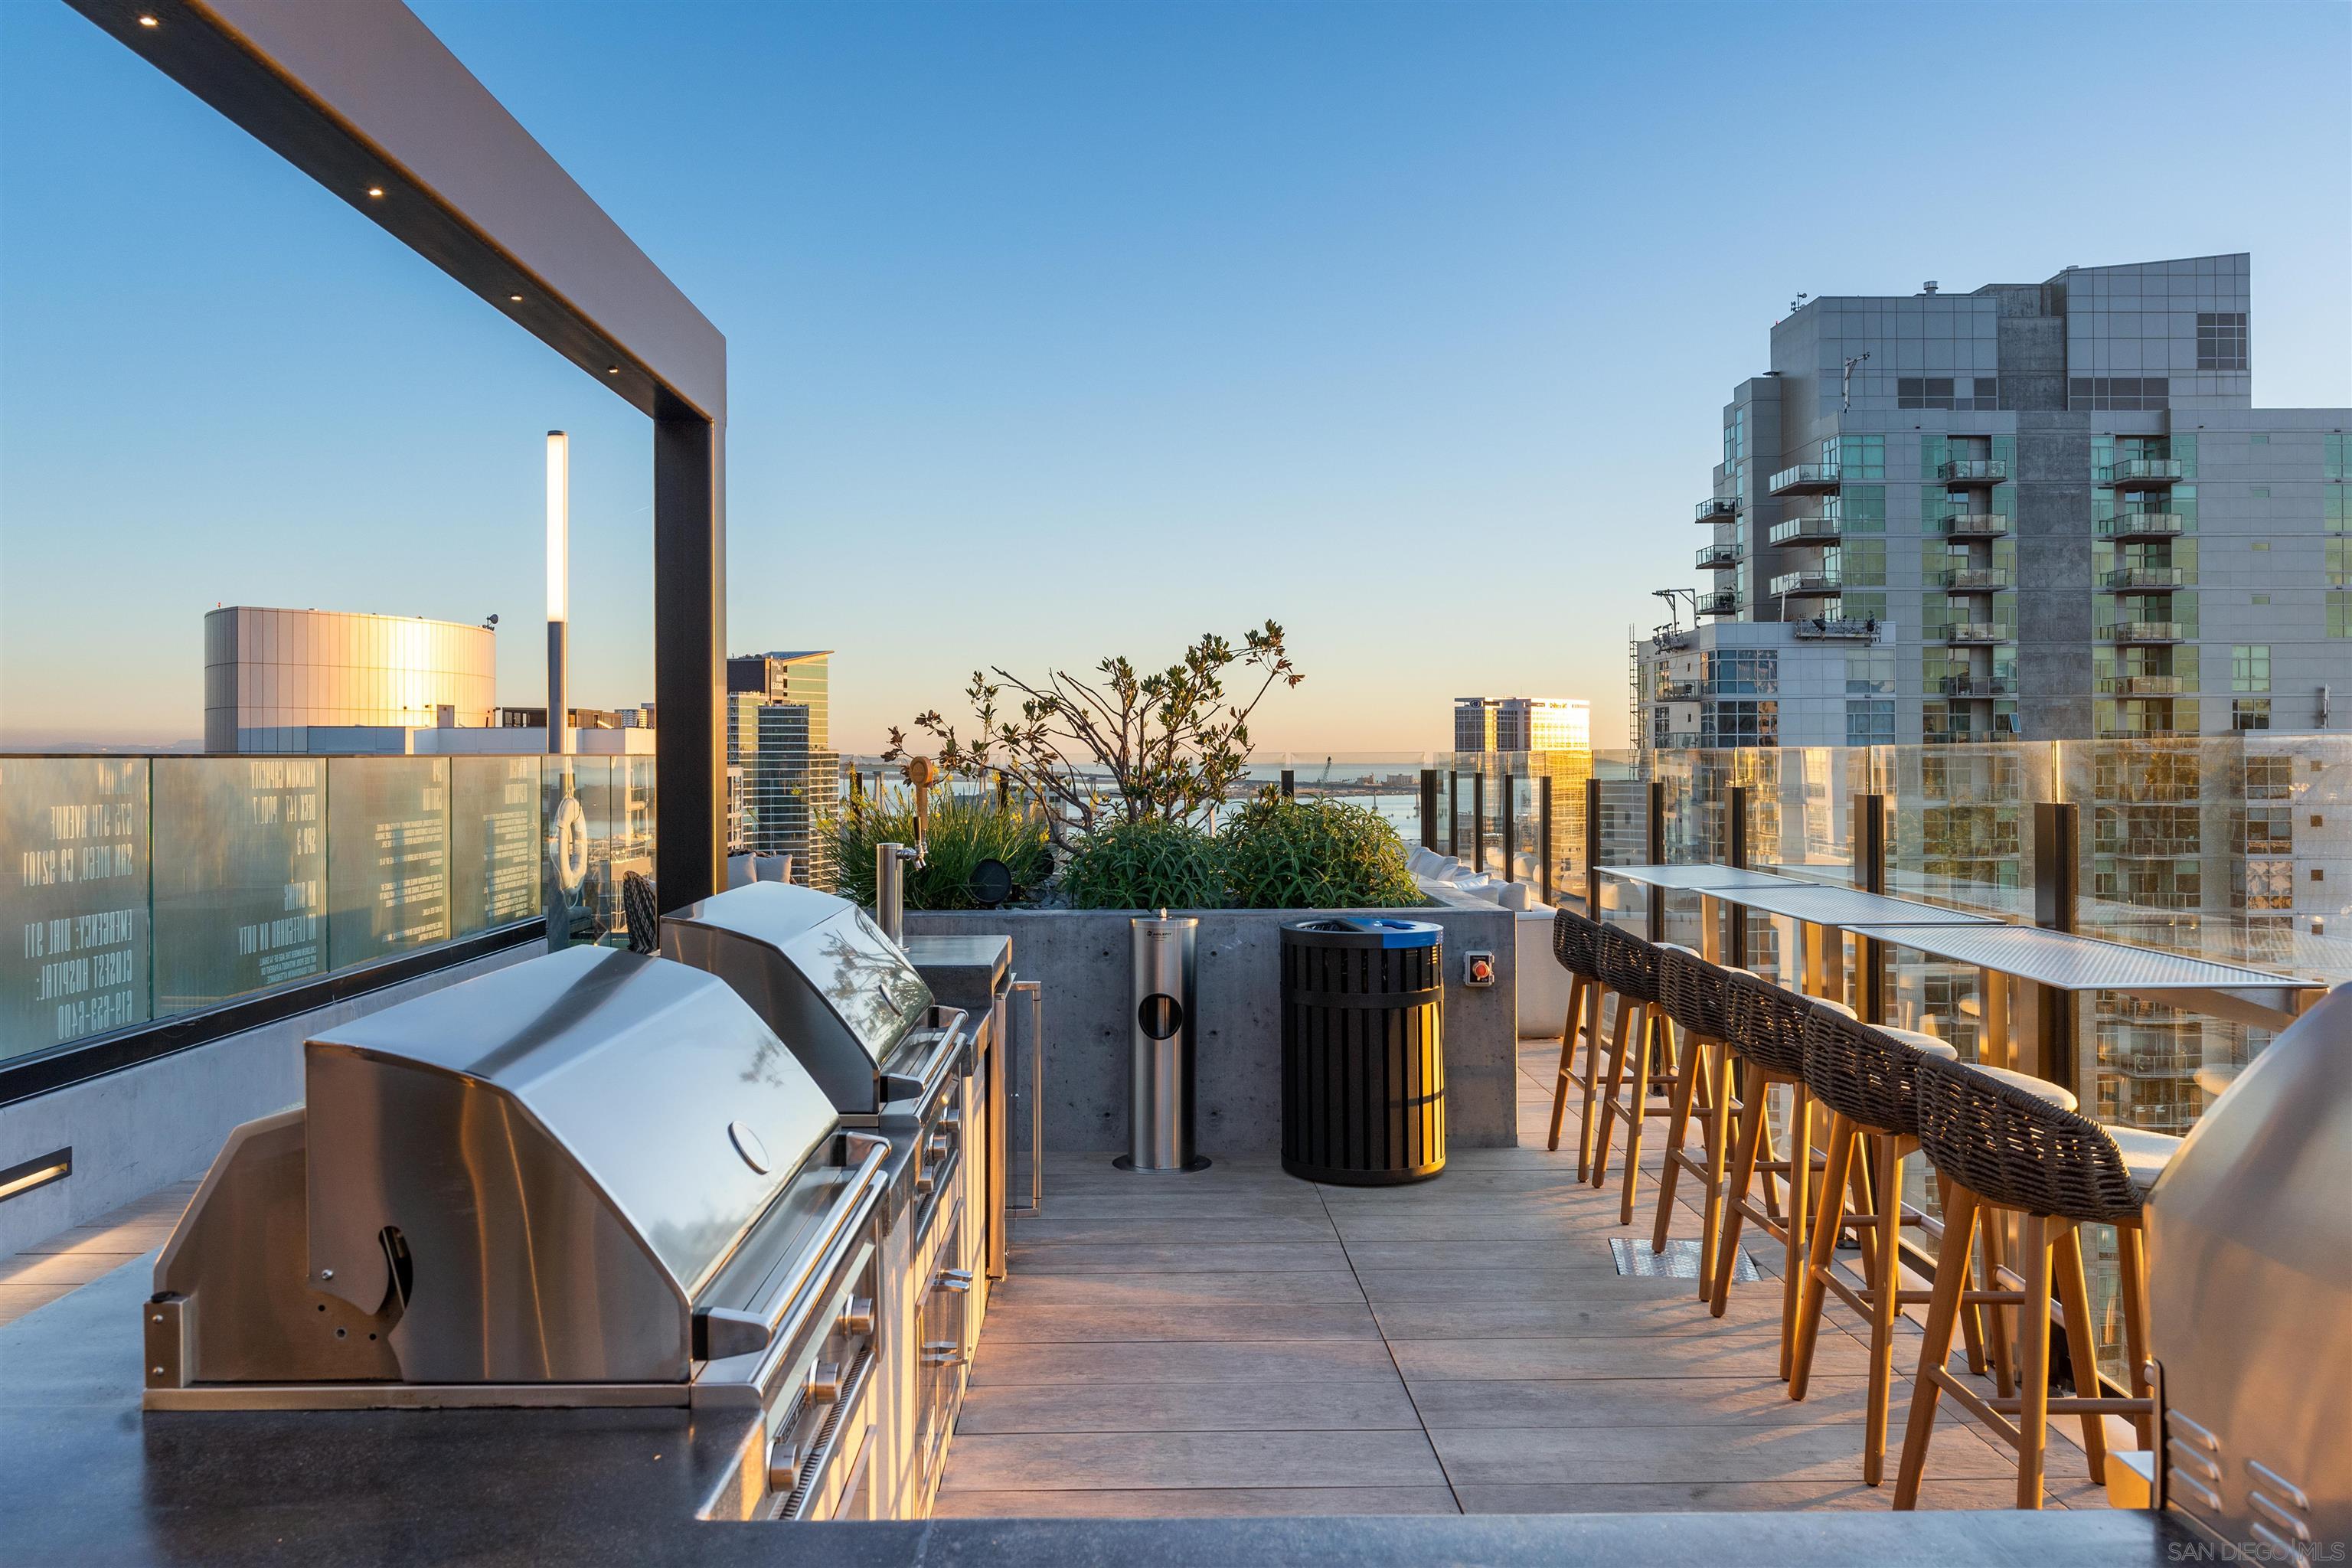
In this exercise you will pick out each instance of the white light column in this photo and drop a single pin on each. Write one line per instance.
(559, 578)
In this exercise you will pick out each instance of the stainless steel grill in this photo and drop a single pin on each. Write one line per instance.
(592, 1178)
(2249, 1302)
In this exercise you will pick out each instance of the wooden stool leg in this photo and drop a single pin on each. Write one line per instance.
(1794, 1259)
(2033, 1360)
(1656, 1029)
(1689, 1067)
(1595, 999)
(1997, 1349)
(2130, 1244)
(1823, 1254)
(1972, 1330)
(1743, 1173)
(1886, 1300)
(1626, 1008)
(1720, 1069)
(1858, 1184)
(2081, 1348)
(1943, 1312)
(1566, 1075)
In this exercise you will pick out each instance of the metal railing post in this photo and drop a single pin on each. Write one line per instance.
(1479, 822)
(1289, 783)
(1428, 808)
(2056, 888)
(1543, 836)
(1657, 832)
(1592, 849)
(1734, 843)
(1510, 829)
(1453, 812)
(1870, 876)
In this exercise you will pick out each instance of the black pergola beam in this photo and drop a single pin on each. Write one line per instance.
(361, 96)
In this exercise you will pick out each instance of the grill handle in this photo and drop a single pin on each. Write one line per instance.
(723, 1331)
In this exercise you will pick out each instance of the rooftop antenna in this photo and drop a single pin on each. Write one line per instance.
(1848, 387)
(1797, 303)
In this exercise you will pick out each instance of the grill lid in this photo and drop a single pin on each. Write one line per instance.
(817, 969)
(683, 1111)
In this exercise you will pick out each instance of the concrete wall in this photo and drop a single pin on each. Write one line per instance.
(162, 1122)
(1081, 959)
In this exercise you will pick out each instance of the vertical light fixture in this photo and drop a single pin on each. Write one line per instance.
(559, 576)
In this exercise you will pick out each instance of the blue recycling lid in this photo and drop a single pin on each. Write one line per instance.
(1363, 931)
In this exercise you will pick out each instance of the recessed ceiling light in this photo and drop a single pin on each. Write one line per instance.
(149, 22)
(515, 299)
(375, 191)
(612, 369)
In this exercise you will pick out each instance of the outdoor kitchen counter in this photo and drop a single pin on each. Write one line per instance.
(86, 1477)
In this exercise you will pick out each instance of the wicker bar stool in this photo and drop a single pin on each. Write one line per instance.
(1867, 1076)
(1766, 1029)
(1998, 1148)
(1696, 996)
(1629, 966)
(1576, 943)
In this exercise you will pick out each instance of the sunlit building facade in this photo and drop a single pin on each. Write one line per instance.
(275, 679)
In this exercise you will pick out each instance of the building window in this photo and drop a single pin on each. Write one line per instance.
(1740, 723)
(1856, 457)
(1735, 439)
(2250, 668)
(2119, 393)
(2339, 613)
(1965, 392)
(1870, 721)
(2337, 451)
(2222, 340)
(2250, 713)
(2339, 562)
(1743, 672)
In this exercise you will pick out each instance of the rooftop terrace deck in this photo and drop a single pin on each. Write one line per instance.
(1238, 1341)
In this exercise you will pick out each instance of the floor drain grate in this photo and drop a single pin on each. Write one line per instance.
(1679, 1261)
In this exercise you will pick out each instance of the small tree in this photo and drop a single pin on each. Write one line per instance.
(1171, 743)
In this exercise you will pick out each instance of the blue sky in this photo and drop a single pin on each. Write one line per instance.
(1083, 327)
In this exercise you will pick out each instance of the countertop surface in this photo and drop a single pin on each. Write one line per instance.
(89, 1478)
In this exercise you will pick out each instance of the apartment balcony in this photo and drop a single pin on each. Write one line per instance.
(2144, 685)
(1977, 634)
(1796, 532)
(1808, 585)
(1719, 557)
(1722, 602)
(1976, 685)
(1679, 691)
(1973, 471)
(1805, 480)
(2141, 473)
(2128, 579)
(1717, 509)
(1972, 525)
(2002, 728)
(2127, 527)
(1976, 579)
(2143, 633)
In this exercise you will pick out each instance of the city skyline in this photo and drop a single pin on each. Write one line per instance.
(997, 293)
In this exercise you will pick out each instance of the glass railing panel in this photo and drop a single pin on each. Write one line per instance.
(240, 877)
(74, 832)
(387, 856)
(494, 842)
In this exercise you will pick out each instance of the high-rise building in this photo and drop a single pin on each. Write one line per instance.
(2054, 504)
(1522, 724)
(307, 680)
(779, 740)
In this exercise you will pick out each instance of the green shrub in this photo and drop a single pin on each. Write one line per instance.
(1149, 864)
(965, 830)
(1314, 854)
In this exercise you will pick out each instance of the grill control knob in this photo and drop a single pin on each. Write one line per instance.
(956, 1279)
(924, 1183)
(824, 1383)
(857, 1317)
(942, 1353)
(939, 1145)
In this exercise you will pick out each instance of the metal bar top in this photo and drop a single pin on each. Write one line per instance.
(1818, 903)
(2070, 962)
(1699, 878)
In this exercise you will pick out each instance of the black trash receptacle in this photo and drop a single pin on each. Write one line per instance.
(1364, 1050)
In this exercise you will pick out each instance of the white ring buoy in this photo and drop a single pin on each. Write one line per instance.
(571, 849)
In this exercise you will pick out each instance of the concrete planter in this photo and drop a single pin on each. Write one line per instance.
(1080, 959)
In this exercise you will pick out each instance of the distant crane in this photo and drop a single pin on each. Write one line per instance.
(1848, 388)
